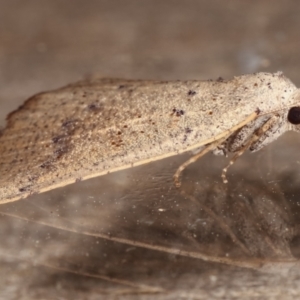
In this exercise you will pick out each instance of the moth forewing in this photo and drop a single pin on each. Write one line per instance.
(95, 127)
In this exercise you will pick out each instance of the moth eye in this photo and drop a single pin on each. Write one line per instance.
(294, 115)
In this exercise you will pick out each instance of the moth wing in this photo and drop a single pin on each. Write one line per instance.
(94, 127)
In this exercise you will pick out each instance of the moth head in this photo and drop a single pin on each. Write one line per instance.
(293, 117)
(293, 114)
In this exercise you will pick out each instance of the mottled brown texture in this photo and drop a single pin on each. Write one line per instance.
(99, 126)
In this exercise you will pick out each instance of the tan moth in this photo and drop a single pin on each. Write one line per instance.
(99, 126)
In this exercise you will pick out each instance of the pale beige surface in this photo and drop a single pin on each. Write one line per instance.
(46, 44)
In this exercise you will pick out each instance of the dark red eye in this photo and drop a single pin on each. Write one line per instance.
(294, 115)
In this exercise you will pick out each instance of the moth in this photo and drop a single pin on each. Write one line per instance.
(98, 126)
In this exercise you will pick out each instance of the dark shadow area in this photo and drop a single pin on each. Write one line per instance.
(146, 237)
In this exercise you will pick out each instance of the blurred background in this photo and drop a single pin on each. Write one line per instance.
(132, 234)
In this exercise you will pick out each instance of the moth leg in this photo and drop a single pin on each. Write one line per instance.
(234, 158)
(254, 138)
(195, 158)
